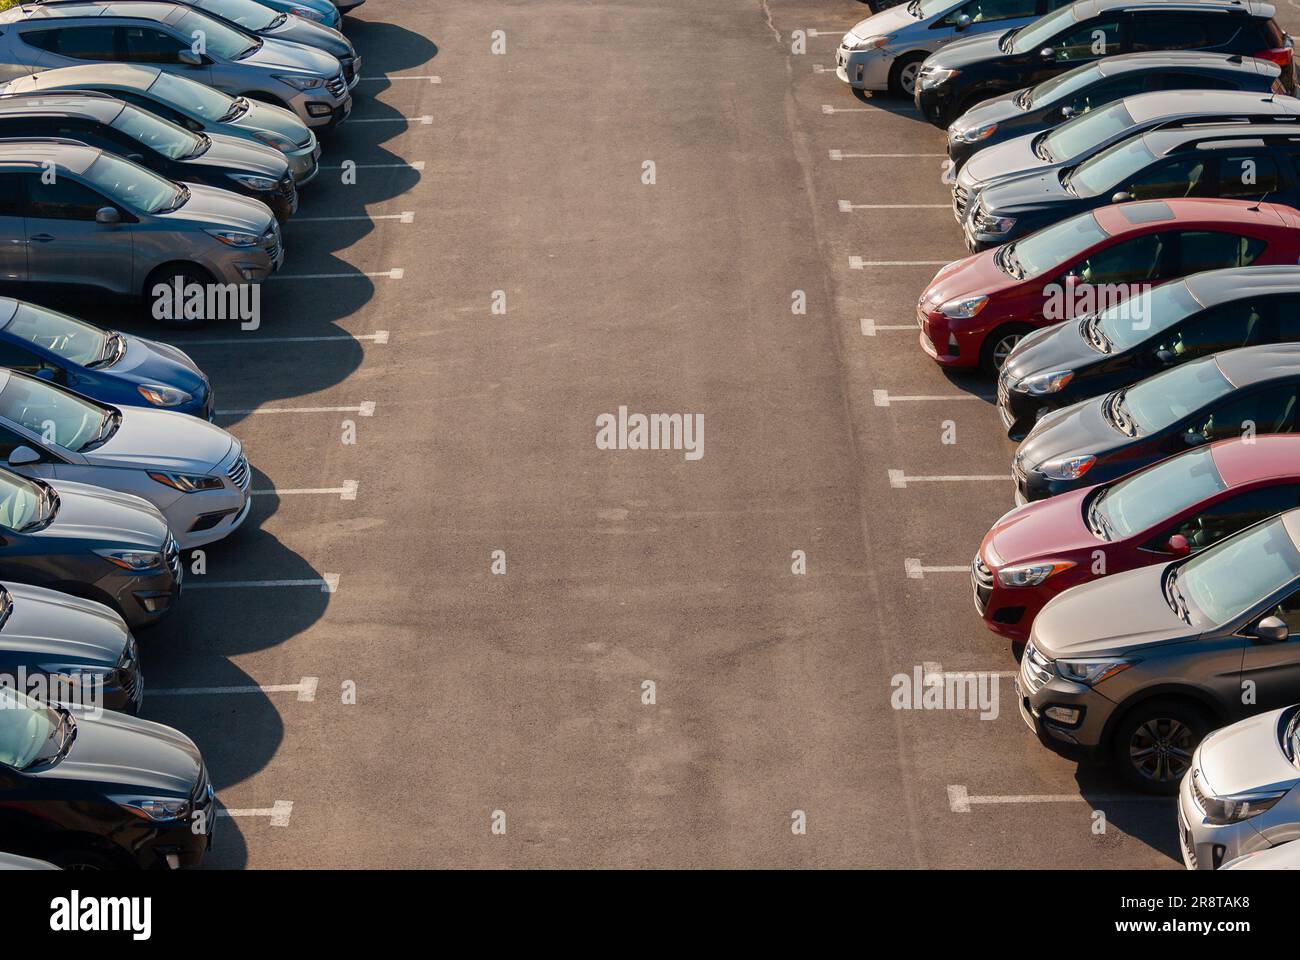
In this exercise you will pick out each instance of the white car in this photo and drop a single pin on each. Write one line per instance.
(192, 471)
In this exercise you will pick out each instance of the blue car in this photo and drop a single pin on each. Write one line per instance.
(111, 367)
(321, 11)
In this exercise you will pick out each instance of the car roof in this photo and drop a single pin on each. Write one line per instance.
(1184, 60)
(1165, 140)
(75, 157)
(1091, 8)
(1245, 366)
(1214, 287)
(67, 9)
(129, 75)
(1242, 461)
(1146, 107)
(1119, 218)
(77, 103)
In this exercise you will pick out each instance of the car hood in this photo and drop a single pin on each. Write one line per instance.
(281, 55)
(1041, 530)
(128, 755)
(148, 361)
(976, 274)
(58, 627)
(269, 117)
(884, 23)
(1244, 757)
(1115, 615)
(1079, 429)
(214, 206)
(968, 50)
(89, 513)
(163, 440)
(317, 35)
(242, 155)
(997, 110)
(1010, 158)
(1061, 347)
(1027, 192)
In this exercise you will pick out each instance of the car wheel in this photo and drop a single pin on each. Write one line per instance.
(999, 344)
(902, 76)
(1153, 745)
(169, 274)
(85, 859)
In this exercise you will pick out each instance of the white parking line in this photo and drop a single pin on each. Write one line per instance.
(425, 120)
(346, 492)
(960, 800)
(897, 111)
(899, 480)
(406, 216)
(883, 398)
(427, 78)
(841, 155)
(915, 570)
(847, 207)
(364, 409)
(304, 688)
(869, 327)
(812, 32)
(857, 263)
(413, 165)
(379, 336)
(326, 583)
(395, 274)
(279, 812)
(822, 68)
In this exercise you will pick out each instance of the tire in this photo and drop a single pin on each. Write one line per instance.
(902, 75)
(167, 274)
(84, 858)
(1164, 733)
(998, 344)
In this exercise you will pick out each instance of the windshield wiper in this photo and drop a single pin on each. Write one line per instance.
(1120, 414)
(1039, 147)
(1177, 602)
(66, 723)
(1095, 335)
(49, 501)
(1066, 174)
(279, 19)
(237, 109)
(114, 348)
(1025, 99)
(1097, 521)
(1010, 262)
(182, 198)
(204, 143)
(107, 427)
(1005, 43)
(248, 51)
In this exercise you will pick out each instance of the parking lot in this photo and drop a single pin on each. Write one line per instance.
(423, 392)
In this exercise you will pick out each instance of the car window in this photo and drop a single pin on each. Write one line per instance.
(1214, 249)
(62, 199)
(982, 11)
(1165, 399)
(11, 194)
(169, 139)
(1152, 32)
(61, 335)
(1154, 495)
(1224, 582)
(1289, 611)
(78, 43)
(192, 96)
(1234, 513)
(150, 45)
(10, 441)
(1188, 81)
(1264, 410)
(161, 110)
(1097, 38)
(1247, 175)
(1082, 134)
(1108, 92)
(1237, 324)
(131, 185)
(64, 419)
(1129, 261)
(1038, 34)
(17, 357)
(25, 728)
(1176, 178)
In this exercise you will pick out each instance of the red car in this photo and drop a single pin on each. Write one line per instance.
(1165, 511)
(975, 309)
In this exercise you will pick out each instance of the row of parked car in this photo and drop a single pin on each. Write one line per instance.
(1127, 175)
(142, 145)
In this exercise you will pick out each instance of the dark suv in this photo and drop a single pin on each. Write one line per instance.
(954, 79)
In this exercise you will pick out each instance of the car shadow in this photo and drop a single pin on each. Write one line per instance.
(899, 106)
(388, 47)
(1152, 820)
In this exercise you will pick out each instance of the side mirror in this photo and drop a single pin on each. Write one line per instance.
(1165, 356)
(190, 58)
(1121, 196)
(1047, 53)
(1271, 630)
(1178, 545)
(1193, 439)
(45, 373)
(23, 455)
(135, 157)
(962, 22)
(1067, 112)
(108, 216)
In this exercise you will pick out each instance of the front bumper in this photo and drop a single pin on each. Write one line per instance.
(143, 599)
(304, 164)
(1036, 694)
(1020, 411)
(1207, 846)
(946, 345)
(936, 104)
(1006, 611)
(320, 109)
(863, 69)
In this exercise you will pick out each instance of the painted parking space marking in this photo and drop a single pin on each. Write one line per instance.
(960, 800)
(847, 207)
(908, 112)
(883, 398)
(412, 165)
(348, 491)
(406, 216)
(304, 688)
(915, 570)
(379, 336)
(364, 409)
(426, 78)
(869, 326)
(857, 263)
(279, 812)
(899, 479)
(395, 274)
(424, 120)
(325, 583)
(841, 155)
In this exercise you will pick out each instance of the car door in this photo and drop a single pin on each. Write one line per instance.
(67, 46)
(1156, 31)
(982, 16)
(1189, 176)
(1211, 523)
(1145, 259)
(22, 358)
(13, 229)
(1240, 323)
(1248, 173)
(1270, 671)
(157, 47)
(11, 439)
(1265, 409)
(1081, 43)
(64, 243)
(1107, 91)
(1201, 250)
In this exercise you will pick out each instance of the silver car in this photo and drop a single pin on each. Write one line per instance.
(108, 223)
(1284, 857)
(180, 40)
(884, 52)
(1243, 792)
(188, 104)
(192, 471)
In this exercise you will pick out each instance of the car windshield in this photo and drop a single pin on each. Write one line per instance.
(172, 141)
(1224, 581)
(249, 15)
(28, 730)
(1130, 322)
(69, 339)
(226, 42)
(1034, 36)
(132, 185)
(192, 97)
(1153, 496)
(1083, 133)
(1161, 401)
(1113, 165)
(1064, 85)
(22, 502)
(61, 418)
(1048, 249)
(1291, 737)
(925, 9)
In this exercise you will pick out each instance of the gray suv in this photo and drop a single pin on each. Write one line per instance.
(108, 223)
(180, 40)
(1138, 666)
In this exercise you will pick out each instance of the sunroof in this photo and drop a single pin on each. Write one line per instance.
(1148, 212)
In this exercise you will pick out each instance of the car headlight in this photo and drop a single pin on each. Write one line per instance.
(307, 13)
(866, 43)
(936, 78)
(150, 808)
(235, 238)
(187, 482)
(161, 396)
(1067, 468)
(299, 82)
(1221, 811)
(976, 134)
(965, 308)
(253, 181)
(996, 226)
(134, 560)
(1091, 672)
(283, 144)
(1031, 574)
(1041, 384)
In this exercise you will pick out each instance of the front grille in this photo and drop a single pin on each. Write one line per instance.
(1004, 391)
(982, 580)
(172, 556)
(271, 242)
(1035, 669)
(285, 187)
(960, 201)
(1197, 793)
(1018, 468)
(349, 67)
(305, 142)
(239, 473)
(337, 86)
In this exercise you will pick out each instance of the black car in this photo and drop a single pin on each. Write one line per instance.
(100, 791)
(66, 648)
(1041, 107)
(1237, 393)
(960, 75)
(1237, 161)
(1170, 324)
(178, 154)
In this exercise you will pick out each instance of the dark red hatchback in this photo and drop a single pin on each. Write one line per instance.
(1170, 509)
